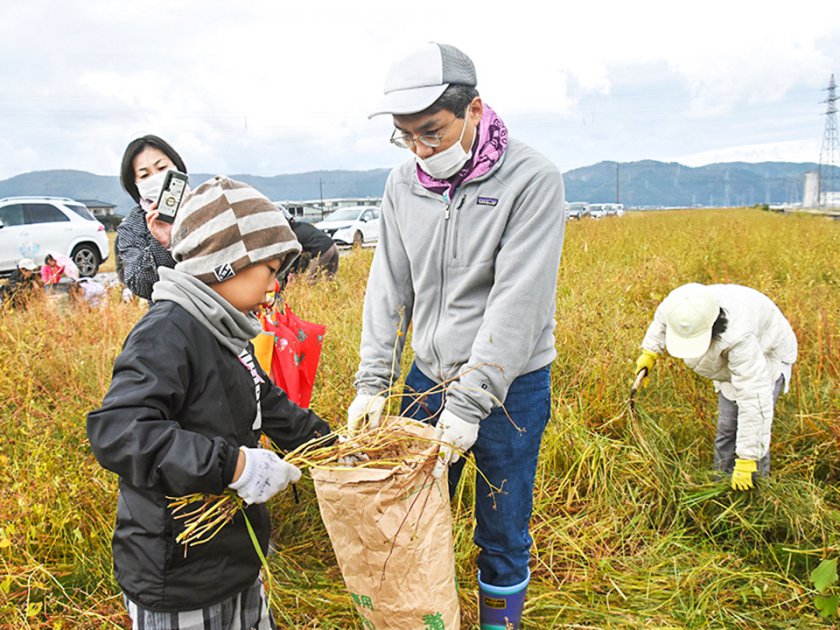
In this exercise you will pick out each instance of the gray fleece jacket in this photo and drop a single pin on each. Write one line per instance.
(476, 275)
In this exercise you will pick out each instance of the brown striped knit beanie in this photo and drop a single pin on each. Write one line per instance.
(225, 226)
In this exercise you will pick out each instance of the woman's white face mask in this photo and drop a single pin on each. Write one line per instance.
(149, 189)
(445, 164)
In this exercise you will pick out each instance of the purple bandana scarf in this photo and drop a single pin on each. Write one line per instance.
(492, 140)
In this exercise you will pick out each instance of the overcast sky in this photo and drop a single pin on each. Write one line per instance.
(269, 87)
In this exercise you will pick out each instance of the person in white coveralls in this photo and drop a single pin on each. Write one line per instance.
(739, 338)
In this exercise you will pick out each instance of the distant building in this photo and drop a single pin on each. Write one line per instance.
(812, 195)
(810, 190)
(99, 209)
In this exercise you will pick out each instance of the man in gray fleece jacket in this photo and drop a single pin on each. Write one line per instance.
(471, 234)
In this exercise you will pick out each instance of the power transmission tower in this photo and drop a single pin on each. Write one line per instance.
(830, 152)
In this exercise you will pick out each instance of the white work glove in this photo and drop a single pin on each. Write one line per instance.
(456, 435)
(265, 474)
(365, 408)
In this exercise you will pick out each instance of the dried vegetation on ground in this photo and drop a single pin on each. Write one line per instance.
(630, 528)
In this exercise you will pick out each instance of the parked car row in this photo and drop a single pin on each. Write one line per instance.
(580, 209)
(30, 227)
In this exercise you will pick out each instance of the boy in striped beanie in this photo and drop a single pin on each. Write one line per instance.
(225, 226)
(185, 411)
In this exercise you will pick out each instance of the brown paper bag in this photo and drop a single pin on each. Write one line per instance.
(391, 531)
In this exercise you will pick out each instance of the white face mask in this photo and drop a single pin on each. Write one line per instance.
(149, 188)
(445, 164)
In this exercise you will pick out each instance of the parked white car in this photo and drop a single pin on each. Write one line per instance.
(355, 225)
(577, 209)
(32, 226)
(597, 210)
(613, 209)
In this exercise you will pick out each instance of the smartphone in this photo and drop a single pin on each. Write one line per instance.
(171, 195)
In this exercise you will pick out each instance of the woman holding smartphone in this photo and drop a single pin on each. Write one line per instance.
(142, 243)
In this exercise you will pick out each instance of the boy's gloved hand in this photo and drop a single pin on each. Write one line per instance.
(365, 408)
(265, 474)
(646, 361)
(742, 476)
(456, 435)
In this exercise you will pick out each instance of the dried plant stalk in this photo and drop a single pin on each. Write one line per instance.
(209, 513)
(204, 515)
(384, 447)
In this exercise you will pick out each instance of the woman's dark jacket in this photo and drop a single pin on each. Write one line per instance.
(138, 254)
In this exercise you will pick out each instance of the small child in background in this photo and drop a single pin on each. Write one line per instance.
(185, 411)
(51, 271)
(24, 285)
(58, 269)
(85, 290)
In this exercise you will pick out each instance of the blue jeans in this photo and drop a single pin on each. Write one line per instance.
(508, 458)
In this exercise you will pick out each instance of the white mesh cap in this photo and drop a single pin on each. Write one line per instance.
(417, 80)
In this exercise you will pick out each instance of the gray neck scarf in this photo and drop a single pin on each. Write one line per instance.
(232, 328)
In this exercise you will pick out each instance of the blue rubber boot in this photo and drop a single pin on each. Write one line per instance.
(500, 607)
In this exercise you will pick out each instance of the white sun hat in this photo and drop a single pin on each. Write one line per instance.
(691, 313)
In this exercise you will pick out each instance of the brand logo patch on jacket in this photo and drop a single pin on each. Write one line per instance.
(487, 201)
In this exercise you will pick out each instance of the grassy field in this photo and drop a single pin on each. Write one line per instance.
(630, 528)
(109, 265)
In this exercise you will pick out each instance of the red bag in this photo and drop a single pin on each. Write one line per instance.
(296, 352)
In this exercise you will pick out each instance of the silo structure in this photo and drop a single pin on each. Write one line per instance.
(811, 190)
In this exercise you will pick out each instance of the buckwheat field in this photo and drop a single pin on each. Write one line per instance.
(630, 527)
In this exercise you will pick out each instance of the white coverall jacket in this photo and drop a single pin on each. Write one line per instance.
(745, 362)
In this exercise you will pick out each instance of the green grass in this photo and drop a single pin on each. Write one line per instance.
(630, 528)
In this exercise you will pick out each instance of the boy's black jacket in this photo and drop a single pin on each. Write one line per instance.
(171, 424)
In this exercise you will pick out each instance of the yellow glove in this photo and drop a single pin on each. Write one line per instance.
(742, 476)
(645, 362)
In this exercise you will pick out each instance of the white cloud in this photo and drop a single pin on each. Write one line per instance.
(791, 151)
(268, 87)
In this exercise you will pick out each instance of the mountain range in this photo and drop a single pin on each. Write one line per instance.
(641, 184)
